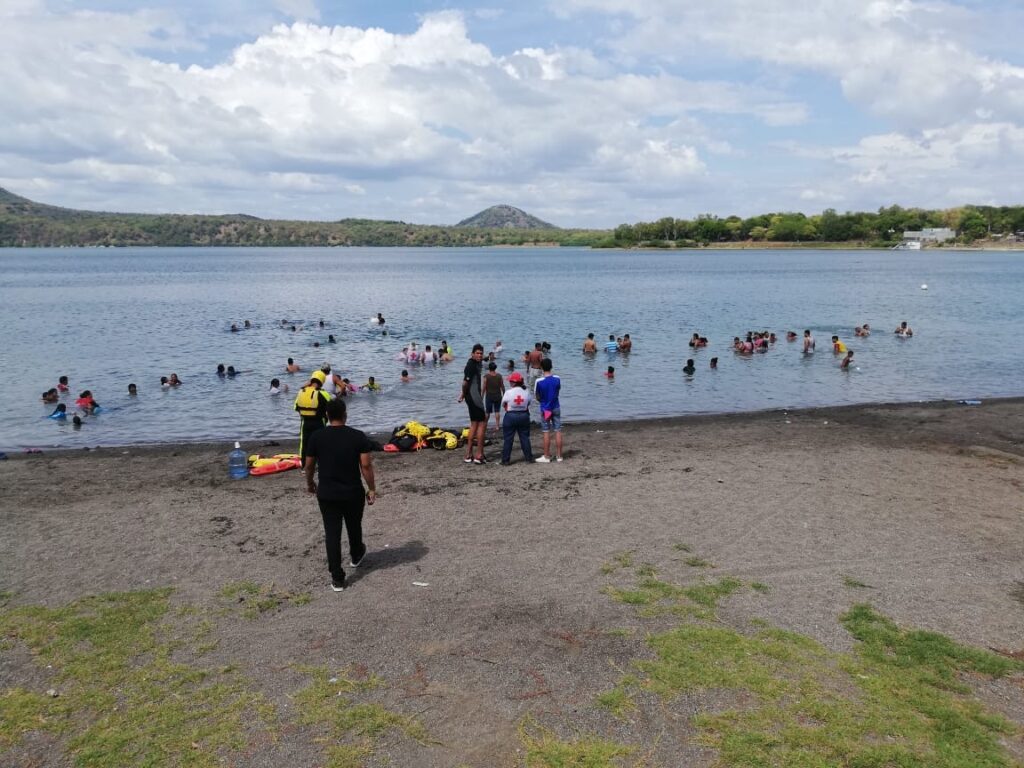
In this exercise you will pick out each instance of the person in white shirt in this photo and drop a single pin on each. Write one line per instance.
(516, 405)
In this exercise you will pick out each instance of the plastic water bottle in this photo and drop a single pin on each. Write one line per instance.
(238, 464)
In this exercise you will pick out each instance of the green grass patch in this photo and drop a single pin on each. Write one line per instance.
(698, 562)
(852, 583)
(125, 699)
(329, 702)
(545, 750)
(618, 701)
(709, 593)
(682, 547)
(24, 711)
(646, 570)
(898, 700)
(619, 560)
(761, 587)
(621, 632)
(257, 599)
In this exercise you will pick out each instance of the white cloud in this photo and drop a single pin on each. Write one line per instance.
(904, 60)
(103, 109)
(308, 106)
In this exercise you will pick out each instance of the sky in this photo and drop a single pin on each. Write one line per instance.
(586, 113)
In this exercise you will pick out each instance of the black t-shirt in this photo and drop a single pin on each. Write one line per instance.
(337, 451)
(472, 375)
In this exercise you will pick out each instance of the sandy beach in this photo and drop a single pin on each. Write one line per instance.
(485, 605)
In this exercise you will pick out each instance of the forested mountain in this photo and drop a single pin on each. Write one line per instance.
(505, 217)
(24, 222)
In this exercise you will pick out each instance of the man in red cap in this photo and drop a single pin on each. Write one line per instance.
(516, 405)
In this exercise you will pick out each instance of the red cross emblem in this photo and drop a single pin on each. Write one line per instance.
(518, 400)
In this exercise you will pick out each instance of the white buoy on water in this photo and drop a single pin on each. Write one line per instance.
(924, 286)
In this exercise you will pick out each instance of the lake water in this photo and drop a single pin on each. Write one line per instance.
(107, 317)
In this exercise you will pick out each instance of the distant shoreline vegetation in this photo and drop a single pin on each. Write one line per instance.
(25, 223)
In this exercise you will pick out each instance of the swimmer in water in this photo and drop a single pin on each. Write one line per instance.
(610, 373)
(220, 370)
(837, 346)
(132, 390)
(292, 366)
(322, 324)
(694, 339)
(370, 386)
(77, 421)
(86, 403)
(62, 384)
(51, 396)
(164, 382)
(790, 335)
(627, 344)
(589, 345)
(316, 344)
(247, 324)
(808, 343)
(174, 381)
(904, 330)
(232, 372)
(60, 413)
(331, 339)
(276, 388)
(234, 328)
(845, 365)
(406, 378)
(510, 365)
(714, 363)
(689, 369)
(380, 319)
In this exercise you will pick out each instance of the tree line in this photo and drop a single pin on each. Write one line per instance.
(883, 228)
(27, 224)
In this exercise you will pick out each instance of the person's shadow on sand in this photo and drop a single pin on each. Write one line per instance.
(379, 559)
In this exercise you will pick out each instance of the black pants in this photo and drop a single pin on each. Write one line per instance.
(307, 426)
(348, 513)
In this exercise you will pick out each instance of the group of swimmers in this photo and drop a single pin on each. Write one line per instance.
(614, 344)
(85, 404)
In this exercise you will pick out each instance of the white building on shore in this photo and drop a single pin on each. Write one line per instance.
(929, 235)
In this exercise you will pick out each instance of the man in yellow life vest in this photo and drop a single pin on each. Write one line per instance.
(311, 403)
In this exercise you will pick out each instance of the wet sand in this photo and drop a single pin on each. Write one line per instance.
(923, 504)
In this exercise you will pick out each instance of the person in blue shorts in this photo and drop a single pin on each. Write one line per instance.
(611, 345)
(547, 390)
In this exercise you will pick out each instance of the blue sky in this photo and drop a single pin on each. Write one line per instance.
(585, 112)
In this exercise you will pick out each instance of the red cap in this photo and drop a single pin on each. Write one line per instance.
(515, 376)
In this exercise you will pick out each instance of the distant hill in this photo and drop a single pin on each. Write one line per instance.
(26, 223)
(505, 217)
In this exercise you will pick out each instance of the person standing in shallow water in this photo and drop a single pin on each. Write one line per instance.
(339, 457)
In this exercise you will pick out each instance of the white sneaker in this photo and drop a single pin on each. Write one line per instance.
(542, 460)
(559, 459)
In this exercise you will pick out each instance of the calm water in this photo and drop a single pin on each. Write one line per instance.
(107, 317)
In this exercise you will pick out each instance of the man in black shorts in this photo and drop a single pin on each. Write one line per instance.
(341, 454)
(472, 393)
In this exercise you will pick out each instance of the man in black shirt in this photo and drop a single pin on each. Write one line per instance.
(472, 394)
(342, 454)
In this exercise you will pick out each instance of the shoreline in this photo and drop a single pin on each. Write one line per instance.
(854, 412)
(495, 596)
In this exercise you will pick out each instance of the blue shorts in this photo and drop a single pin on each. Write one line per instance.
(492, 406)
(554, 423)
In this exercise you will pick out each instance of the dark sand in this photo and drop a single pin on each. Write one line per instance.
(923, 503)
